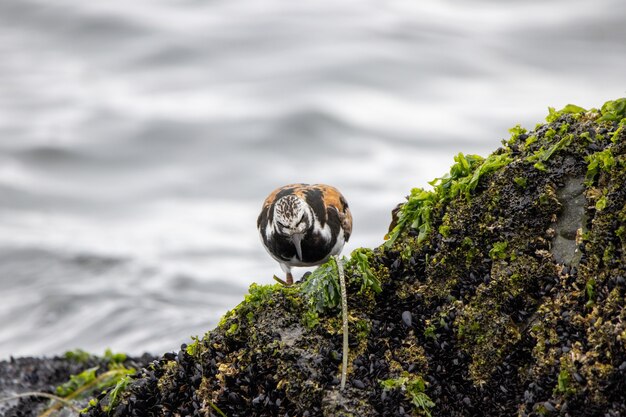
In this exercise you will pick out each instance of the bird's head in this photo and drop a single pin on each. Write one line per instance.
(293, 218)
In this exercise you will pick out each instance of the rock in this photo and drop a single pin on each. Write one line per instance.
(19, 375)
(506, 277)
(407, 319)
(500, 316)
(571, 221)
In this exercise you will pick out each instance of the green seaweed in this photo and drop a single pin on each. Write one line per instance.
(217, 409)
(516, 131)
(369, 281)
(444, 230)
(311, 318)
(114, 358)
(613, 111)
(414, 388)
(78, 355)
(590, 289)
(498, 251)
(321, 288)
(601, 203)
(414, 213)
(597, 162)
(563, 381)
(521, 181)
(77, 381)
(553, 114)
(88, 377)
(193, 348)
(90, 381)
(116, 392)
(542, 155)
(257, 296)
(462, 180)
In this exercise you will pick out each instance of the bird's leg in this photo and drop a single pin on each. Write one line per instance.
(287, 270)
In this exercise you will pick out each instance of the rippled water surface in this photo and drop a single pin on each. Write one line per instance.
(139, 138)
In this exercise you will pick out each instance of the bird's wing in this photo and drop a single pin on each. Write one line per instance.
(333, 198)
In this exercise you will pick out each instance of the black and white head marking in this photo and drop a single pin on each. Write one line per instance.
(292, 215)
(293, 218)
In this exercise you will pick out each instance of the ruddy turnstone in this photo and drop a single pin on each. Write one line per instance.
(304, 225)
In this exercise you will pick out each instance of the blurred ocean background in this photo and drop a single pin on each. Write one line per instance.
(139, 138)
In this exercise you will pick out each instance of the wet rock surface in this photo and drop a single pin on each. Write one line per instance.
(479, 314)
(571, 222)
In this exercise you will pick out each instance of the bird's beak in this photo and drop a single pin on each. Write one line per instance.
(296, 238)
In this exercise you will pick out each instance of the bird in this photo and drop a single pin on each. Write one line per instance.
(304, 225)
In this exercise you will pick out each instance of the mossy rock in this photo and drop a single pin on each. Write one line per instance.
(502, 293)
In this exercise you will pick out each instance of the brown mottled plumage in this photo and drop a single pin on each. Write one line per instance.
(304, 225)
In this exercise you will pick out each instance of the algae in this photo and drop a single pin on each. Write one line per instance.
(414, 389)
